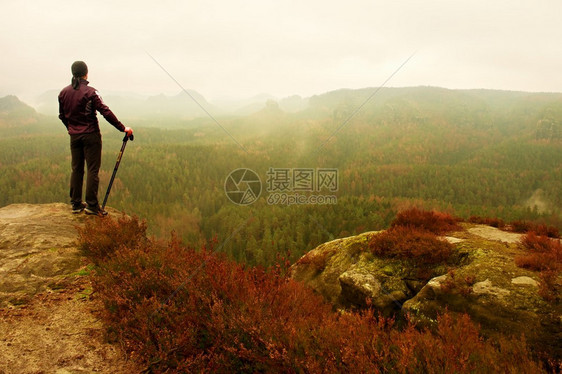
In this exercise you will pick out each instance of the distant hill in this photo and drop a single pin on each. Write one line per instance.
(12, 106)
(47, 102)
(14, 112)
(244, 106)
(131, 106)
(508, 112)
(441, 100)
(185, 104)
(293, 104)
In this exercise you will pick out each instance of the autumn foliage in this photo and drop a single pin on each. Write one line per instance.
(175, 309)
(432, 221)
(413, 237)
(494, 222)
(316, 261)
(537, 228)
(102, 238)
(543, 254)
(420, 246)
(520, 226)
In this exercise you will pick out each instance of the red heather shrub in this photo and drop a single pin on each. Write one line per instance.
(458, 337)
(455, 283)
(538, 228)
(494, 222)
(176, 310)
(435, 222)
(422, 247)
(549, 286)
(521, 226)
(470, 279)
(550, 231)
(102, 237)
(316, 261)
(542, 253)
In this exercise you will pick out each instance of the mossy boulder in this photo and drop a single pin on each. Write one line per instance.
(501, 297)
(322, 267)
(346, 274)
(482, 281)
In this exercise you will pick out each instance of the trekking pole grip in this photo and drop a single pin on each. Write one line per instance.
(128, 137)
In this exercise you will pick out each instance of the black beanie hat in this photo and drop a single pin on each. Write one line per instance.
(79, 69)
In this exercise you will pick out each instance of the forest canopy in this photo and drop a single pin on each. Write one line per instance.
(466, 152)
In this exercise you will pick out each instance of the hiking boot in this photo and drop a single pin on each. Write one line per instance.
(95, 211)
(78, 208)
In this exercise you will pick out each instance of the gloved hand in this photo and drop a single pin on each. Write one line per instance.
(129, 131)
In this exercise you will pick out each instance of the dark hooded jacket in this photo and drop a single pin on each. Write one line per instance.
(77, 110)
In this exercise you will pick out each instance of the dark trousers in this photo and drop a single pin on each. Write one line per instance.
(85, 148)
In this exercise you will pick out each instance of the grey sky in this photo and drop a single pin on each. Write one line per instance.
(242, 48)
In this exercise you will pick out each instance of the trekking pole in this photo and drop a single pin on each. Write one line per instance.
(116, 167)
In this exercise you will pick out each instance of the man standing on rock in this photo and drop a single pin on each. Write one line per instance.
(78, 104)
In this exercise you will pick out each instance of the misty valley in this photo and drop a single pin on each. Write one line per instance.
(415, 232)
(470, 153)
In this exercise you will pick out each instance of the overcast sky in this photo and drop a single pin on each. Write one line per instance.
(242, 48)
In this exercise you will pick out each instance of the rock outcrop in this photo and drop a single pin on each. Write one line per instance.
(37, 249)
(48, 321)
(484, 282)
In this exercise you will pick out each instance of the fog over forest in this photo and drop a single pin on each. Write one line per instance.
(396, 160)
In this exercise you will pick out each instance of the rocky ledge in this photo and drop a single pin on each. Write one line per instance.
(37, 249)
(484, 282)
(48, 319)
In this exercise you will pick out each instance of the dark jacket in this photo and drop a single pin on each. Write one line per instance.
(77, 110)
